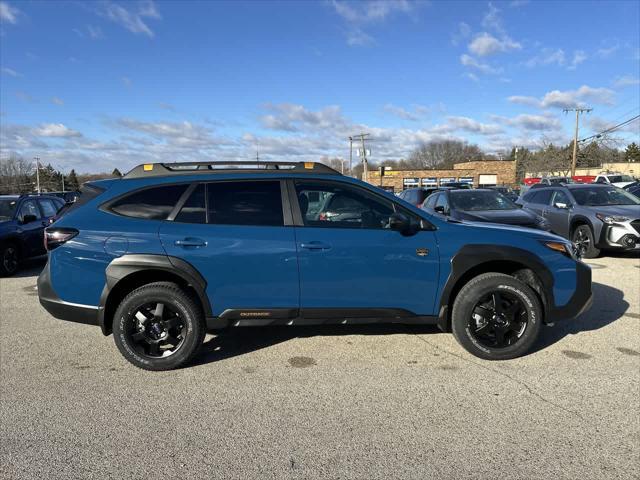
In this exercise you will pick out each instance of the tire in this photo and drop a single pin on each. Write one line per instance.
(582, 237)
(518, 321)
(9, 259)
(159, 338)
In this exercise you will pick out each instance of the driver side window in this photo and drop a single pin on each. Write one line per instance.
(334, 205)
(29, 208)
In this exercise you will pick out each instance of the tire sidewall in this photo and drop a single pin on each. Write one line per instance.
(466, 302)
(124, 317)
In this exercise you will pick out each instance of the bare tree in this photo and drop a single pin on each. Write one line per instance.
(15, 175)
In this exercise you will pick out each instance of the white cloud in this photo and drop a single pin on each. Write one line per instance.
(57, 101)
(626, 81)
(606, 52)
(133, 20)
(10, 72)
(533, 123)
(579, 56)
(178, 134)
(358, 14)
(547, 57)
(470, 125)
(492, 20)
(419, 111)
(95, 32)
(292, 118)
(485, 44)
(462, 32)
(469, 61)
(57, 130)
(569, 98)
(8, 13)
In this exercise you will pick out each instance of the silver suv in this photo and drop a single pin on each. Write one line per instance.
(592, 216)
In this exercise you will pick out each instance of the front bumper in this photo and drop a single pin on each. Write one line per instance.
(57, 307)
(620, 236)
(581, 300)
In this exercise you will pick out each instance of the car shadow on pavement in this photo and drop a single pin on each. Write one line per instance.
(608, 306)
(238, 341)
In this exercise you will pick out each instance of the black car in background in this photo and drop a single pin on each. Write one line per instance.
(633, 188)
(507, 192)
(416, 196)
(22, 222)
(482, 205)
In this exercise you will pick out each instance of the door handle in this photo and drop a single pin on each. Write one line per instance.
(315, 246)
(190, 242)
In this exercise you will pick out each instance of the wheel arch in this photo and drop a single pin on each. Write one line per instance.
(126, 273)
(15, 241)
(474, 260)
(580, 220)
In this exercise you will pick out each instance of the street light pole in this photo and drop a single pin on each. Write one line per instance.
(37, 159)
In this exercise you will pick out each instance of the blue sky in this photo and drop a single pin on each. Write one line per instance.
(98, 85)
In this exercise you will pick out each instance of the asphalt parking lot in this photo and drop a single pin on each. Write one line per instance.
(332, 402)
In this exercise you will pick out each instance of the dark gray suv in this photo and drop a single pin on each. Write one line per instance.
(592, 216)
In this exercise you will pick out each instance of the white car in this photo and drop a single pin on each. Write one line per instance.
(615, 179)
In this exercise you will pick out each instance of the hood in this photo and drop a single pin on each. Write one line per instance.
(621, 184)
(518, 216)
(530, 232)
(631, 211)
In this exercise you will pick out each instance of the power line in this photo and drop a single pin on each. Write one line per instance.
(611, 129)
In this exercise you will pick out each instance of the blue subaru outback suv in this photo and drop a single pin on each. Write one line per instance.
(171, 251)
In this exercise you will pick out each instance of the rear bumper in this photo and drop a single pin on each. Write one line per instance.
(581, 300)
(60, 309)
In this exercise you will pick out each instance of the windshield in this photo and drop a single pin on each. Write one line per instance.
(594, 197)
(620, 178)
(7, 209)
(477, 200)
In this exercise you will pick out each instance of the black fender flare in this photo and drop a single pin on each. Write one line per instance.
(472, 256)
(122, 267)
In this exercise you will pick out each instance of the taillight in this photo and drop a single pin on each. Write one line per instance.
(54, 237)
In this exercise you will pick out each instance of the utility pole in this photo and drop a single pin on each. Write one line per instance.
(62, 175)
(361, 137)
(350, 156)
(37, 159)
(575, 138)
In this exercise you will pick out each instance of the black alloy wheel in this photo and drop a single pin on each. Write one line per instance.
(9, 260)
(498, 320)
(156, 330)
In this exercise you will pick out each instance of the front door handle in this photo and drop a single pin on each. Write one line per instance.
(190, 242)
(315, 246)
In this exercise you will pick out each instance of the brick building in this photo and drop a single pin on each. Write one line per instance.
(478, 174)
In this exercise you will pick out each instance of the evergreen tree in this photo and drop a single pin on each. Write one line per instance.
(632, 153)
(116, 173)
(72, 181)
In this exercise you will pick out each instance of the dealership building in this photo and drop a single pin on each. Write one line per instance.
(477, 174)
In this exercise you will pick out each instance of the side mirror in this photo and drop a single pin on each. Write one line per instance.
(441, 209)
(400, 223)
(28, 219)
(561, 205)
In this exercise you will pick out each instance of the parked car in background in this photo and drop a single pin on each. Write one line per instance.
(22, 222)
(506, 191)
(593, 216)
(416, 196)
(456, 185)
(482, 205)
(615, 179)
(67, 196)
(633, 188)
(170, 251)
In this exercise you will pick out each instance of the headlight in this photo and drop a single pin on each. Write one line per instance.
(611, 219)
(565, 248)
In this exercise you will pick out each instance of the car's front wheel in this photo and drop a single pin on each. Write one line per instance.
(583, 239)
(496, 317)
(9, 259)
(159, 327)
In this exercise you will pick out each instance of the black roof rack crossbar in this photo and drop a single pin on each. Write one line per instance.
(190, 168)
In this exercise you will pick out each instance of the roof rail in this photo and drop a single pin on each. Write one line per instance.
(190, 168)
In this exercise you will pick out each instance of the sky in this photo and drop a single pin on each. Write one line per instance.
(98, 85)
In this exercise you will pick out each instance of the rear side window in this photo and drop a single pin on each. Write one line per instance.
(48, 207)
(245, 203)
(151, 203)
(194, 209)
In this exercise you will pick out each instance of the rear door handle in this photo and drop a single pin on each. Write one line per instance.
(315, 246)
(190, 242)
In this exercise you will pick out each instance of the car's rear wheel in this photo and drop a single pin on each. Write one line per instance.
(159, 327)
(9, 259)
(582, 238)
(496, 317)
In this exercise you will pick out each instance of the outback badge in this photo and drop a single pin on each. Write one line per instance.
(422, 252)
